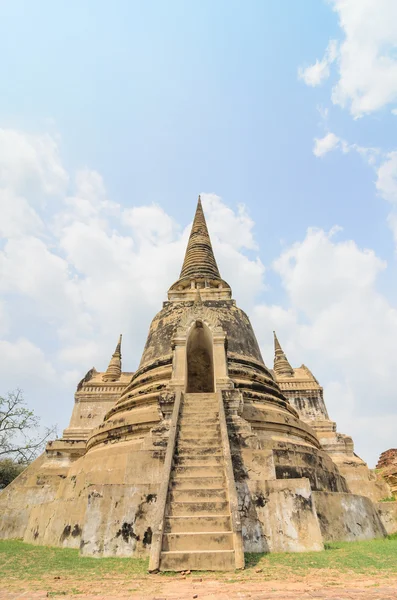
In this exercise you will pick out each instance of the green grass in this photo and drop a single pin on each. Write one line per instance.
(369, 557)
(26, 561)
(22, 562)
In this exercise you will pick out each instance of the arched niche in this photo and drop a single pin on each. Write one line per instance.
(199, 360)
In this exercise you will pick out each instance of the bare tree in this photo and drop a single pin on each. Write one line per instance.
(20, 437)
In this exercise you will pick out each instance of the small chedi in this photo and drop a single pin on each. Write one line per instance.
(201, 454)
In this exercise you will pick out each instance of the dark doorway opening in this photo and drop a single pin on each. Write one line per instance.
(200, 367)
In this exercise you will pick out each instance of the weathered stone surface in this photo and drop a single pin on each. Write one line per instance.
(387, 466)
(279, 516)
(347, 517)
(306, 395)
(388, 515)
(249, 459)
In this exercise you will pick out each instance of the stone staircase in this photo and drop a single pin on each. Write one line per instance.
(198, 531)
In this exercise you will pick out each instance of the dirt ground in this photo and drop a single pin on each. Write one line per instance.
(332, 587)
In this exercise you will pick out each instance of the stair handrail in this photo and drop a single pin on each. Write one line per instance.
(158, 527)
(231, 486)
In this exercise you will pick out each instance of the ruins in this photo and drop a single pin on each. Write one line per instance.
(387, 466)
(201, 454)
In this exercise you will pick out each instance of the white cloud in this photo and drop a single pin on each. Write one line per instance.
(325, 144)
(93, 269)
(367, 63)
(30, 174)
(333, 142)
(31, 164)
(17, 216)
(384, 165)
(366, 56)
(80, 270)
(225, 224)
(386, 185)
(330, 141)
(318, 72)
(232, 232)
(151, 224)
(386, 182)
(25, 360)
(29, 268)
(336, 322)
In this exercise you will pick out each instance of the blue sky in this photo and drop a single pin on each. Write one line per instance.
(114, 116)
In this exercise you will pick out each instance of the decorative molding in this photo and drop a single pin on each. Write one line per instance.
(198, 312)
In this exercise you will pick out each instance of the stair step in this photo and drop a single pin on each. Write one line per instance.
(200, 470)
(197, 508)
(206, 441)
(186, 461)
(199, 495)
(183, 542)
(198, 450)
(211, 430)
(199, 420)
(199, 399)
(188, 411)
(205, 523)
(197, 526)
(186, 430)
(201, 405)
(200, 394)
(182, 483)
(210, 405)
(215, 560)
(211, 438)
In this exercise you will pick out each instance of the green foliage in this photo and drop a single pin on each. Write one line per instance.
(20, 438)
(9, 469)
(389, 499)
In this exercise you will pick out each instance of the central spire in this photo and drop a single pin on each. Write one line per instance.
(199, 269)
(199, 258)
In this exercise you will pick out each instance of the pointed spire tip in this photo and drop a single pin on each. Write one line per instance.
(199, 258)
(281, 365)
(113, 371)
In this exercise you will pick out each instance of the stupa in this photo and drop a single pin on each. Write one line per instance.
(201, 454)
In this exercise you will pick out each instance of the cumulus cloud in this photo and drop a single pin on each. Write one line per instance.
(384, 165)
(325, 144)
(76, 268)
(24, 365)
(17, 216)
(334, 318)
(386, 182)
(336, 321)
(75, 277)
(151, 224)
(330, 141)
(318, 72)
(386, 185)
(231, 233)
(31, 163)
(365, 59)
(367, 62)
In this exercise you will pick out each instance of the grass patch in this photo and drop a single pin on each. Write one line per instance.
(369, 557)
(24, 562)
